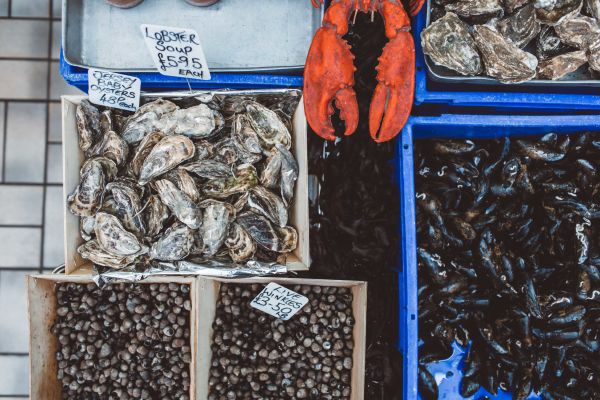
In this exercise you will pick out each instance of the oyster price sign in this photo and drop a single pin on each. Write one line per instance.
(278, 301)
(176, 51)
(110, 89)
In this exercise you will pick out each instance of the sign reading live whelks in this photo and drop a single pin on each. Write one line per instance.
(176, 51)
(110, 89)
(279, 302)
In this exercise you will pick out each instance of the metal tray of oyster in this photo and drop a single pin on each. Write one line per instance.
(236, 35)
(189, 181)
(524, 43)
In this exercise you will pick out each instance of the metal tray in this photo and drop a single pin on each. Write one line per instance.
(237, 35)
(580, 78)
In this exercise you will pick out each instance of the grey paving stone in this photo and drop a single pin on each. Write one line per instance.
(58, 86)
(23, 80)
(28, 38)
(31, 8)
(56, 31)
(54, 165)
(54, 228)
(25, 142)
(21, 205)
(20, 247)
(14, 375)
(13, 309)
(55, 123)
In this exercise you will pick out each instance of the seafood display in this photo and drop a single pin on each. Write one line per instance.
(329, 70)
(514, 41)
(197, 179)
(508, 263)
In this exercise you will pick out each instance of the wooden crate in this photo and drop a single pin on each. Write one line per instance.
(73, 159)
(41, 299)
(207, 308)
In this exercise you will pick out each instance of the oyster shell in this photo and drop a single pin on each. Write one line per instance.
(179, 203)
(580, 31)
(128, 205)
(521, 27)
(270, 205)
(156, 215)
(196, 122)
(448, 43)
(503, 60)
(142, 151)
(290, 171)
(594, 56)
(593, 8)
(107, 122)
(94, 175)
(512, 5)
(111, 146)
(204, 150)
(244, 136)
(240, 244)
(288, 239)
(268, 126)
(87, 117)
(86, 227)
(147, 119)
(477, 9)
(113, 238)
(166, 155)
(550, 12)
(559, 66)
(272, 172)
(209, 169)
(198, 247)
(260, 229)
(184, 181)
(226, 151)
(245, 177)
(92, 251)
(215, 224)
(548, 44)
(174, 245)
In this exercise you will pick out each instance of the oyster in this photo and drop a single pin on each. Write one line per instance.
(128, 205)
(156, 215)
(559, 66)
(594, 56)
(215, 223)
(245, 177)
(477, 9)
(549, 44)
(593, 8)
(146, 120)
(179, 203)
(86, 227)
(113, 238)
(270, 205)
(88, 124)
(184, 181)
(92, 251)
(580, 31)
(521, 27)
(142, 151)
(260, 229)
(288, 239)
(174, 245)
(240, 244)
(204, 150)
(226, 151)
(290, 171)
(245, 136)
(503, 60)
(272, 172)
(94, 175)
(268, 126)
(512, 5)
(209, 169)
(166, 155)
(196, 122)
(198, 247)
(111, 146)
(448, 43)
(107, 122)
(550, 12)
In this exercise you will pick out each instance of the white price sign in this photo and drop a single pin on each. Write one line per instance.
(110, 89)
(279, 302)
(176, 51)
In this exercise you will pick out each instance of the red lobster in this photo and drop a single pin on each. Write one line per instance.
(329, 71)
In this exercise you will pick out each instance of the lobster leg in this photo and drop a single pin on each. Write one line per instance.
(393, 97)
(329, 74)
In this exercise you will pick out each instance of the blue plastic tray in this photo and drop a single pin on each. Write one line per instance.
(78, 77)
(472, 126)
(497, 97)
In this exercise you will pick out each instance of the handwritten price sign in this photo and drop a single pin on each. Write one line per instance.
(110, 89)
(176, 51)
(279, 302)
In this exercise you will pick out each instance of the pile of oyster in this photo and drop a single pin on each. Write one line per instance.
(208, 179)
(515, 41)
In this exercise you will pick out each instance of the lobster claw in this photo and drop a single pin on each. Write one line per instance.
(328, 77)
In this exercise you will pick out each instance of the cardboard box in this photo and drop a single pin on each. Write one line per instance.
(73, 159)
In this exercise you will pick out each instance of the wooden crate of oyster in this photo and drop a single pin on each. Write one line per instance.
(74, 158)
(207, 307)
(43, 344)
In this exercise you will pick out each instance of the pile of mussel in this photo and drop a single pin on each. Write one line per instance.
(515, 40)
(509, 258)
(209, 179)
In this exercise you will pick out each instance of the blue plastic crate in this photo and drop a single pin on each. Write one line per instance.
(459, 126)
(78, 77)
(496, 97)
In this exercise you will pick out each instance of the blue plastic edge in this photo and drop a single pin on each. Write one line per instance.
(451, 125)
(77, 77)
(450, 95)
